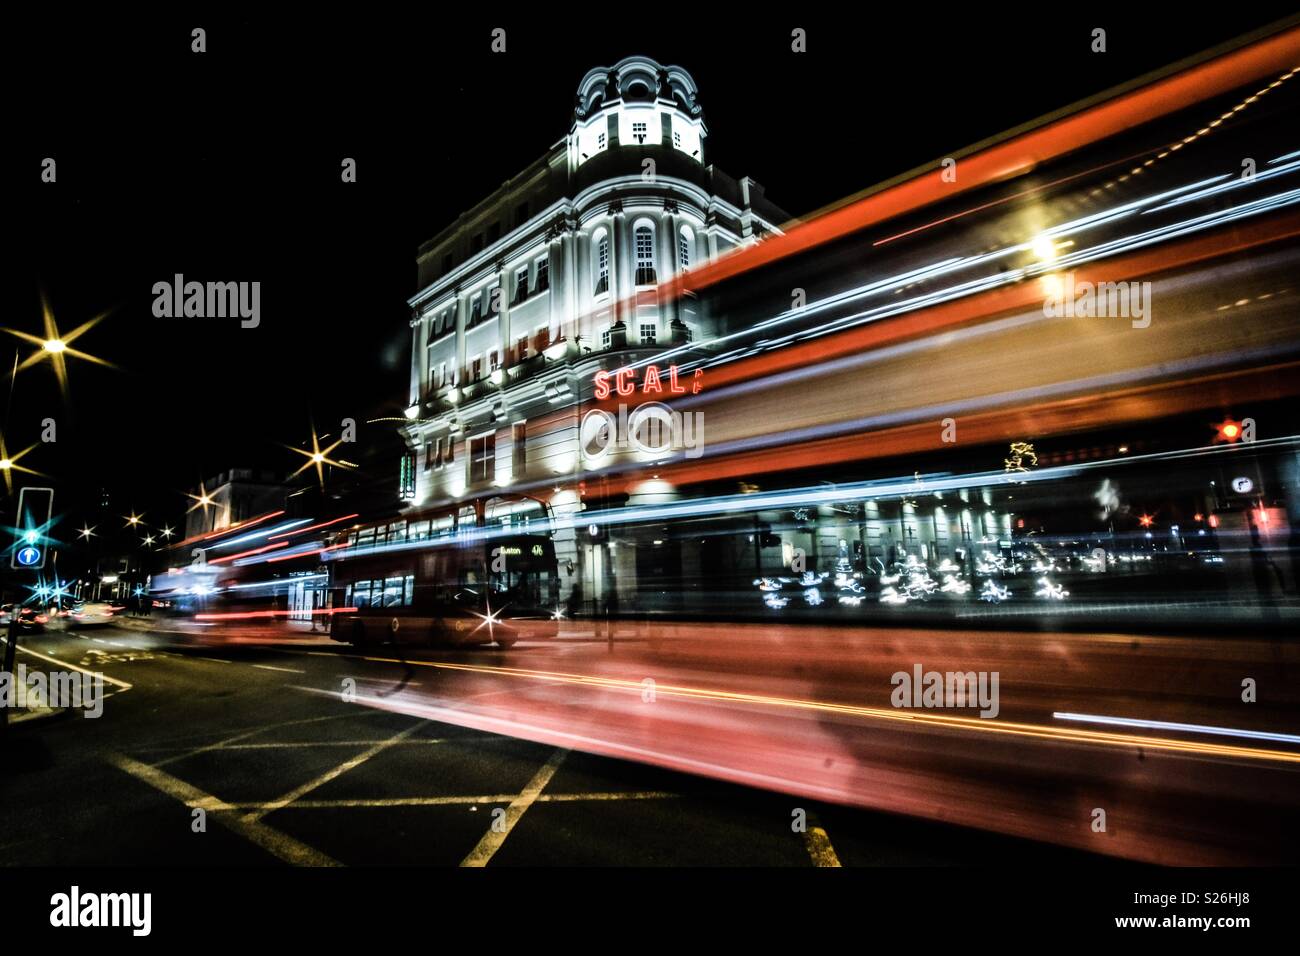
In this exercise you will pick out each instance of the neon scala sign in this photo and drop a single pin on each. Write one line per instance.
(623, 382)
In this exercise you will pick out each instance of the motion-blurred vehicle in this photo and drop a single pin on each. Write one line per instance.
(467, 575)
(92, 614)
(29, 619)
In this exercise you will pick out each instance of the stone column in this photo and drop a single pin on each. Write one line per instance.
(418, 360)
(668, 269)
(462, 317)
(619, 261)
(503, 317)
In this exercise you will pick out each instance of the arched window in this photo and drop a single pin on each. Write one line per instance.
(602, 263)
(685, 248)
(644, 243)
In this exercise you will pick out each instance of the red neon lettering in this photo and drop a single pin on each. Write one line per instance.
(602, 384)
(699, 381)
(622, 384)
(651, 382)
(672, 381)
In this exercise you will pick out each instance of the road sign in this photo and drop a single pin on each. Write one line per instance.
(35, 506)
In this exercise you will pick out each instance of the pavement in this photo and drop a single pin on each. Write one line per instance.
(272, 754)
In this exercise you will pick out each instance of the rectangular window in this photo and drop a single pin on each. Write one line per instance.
(476, 368)
(394, 591)
(677, 139)
(449, 451)
(482, 457)
(432, 453)
(521, 284)
(645, 255)
(543, 337)
(600, 140)
(648, 332)
(683, 251)
(602, 265)
(604, 338)
(543, 275)
(639, 132)
(475, 309)
(494, 361)
(523, 347)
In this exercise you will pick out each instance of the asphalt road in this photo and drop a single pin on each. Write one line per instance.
(286, 770)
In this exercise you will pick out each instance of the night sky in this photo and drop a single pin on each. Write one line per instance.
(225, 166)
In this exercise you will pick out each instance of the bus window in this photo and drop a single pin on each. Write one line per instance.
(532, 586)
(360, 594)
(396, 590)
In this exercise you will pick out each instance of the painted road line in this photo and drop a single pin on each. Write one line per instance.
(296, 744)
(278, 844)
(494, 838)
(481, 800)
(244, 735)
(52, 660)
(329, 775)
(268, 667)
(818, 843)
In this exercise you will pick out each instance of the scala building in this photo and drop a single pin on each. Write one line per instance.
(559, 274)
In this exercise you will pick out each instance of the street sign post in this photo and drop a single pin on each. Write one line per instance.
(35, 507)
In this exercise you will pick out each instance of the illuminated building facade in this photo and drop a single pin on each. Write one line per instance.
(557, 276)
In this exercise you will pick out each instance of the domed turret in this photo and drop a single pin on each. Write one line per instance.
(637, 101)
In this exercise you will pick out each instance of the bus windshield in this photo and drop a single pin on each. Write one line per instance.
(523, 571)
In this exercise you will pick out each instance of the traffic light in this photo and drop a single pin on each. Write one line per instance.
(35, 506)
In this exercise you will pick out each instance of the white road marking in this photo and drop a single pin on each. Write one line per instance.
(329, 775)
(278, 844)
(268, 667)
(245, 734)
(108, 680)
(493, 839)
(481, 800)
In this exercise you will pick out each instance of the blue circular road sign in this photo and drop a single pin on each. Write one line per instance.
(28, 556)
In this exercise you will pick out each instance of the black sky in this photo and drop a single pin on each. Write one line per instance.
(225, 166)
